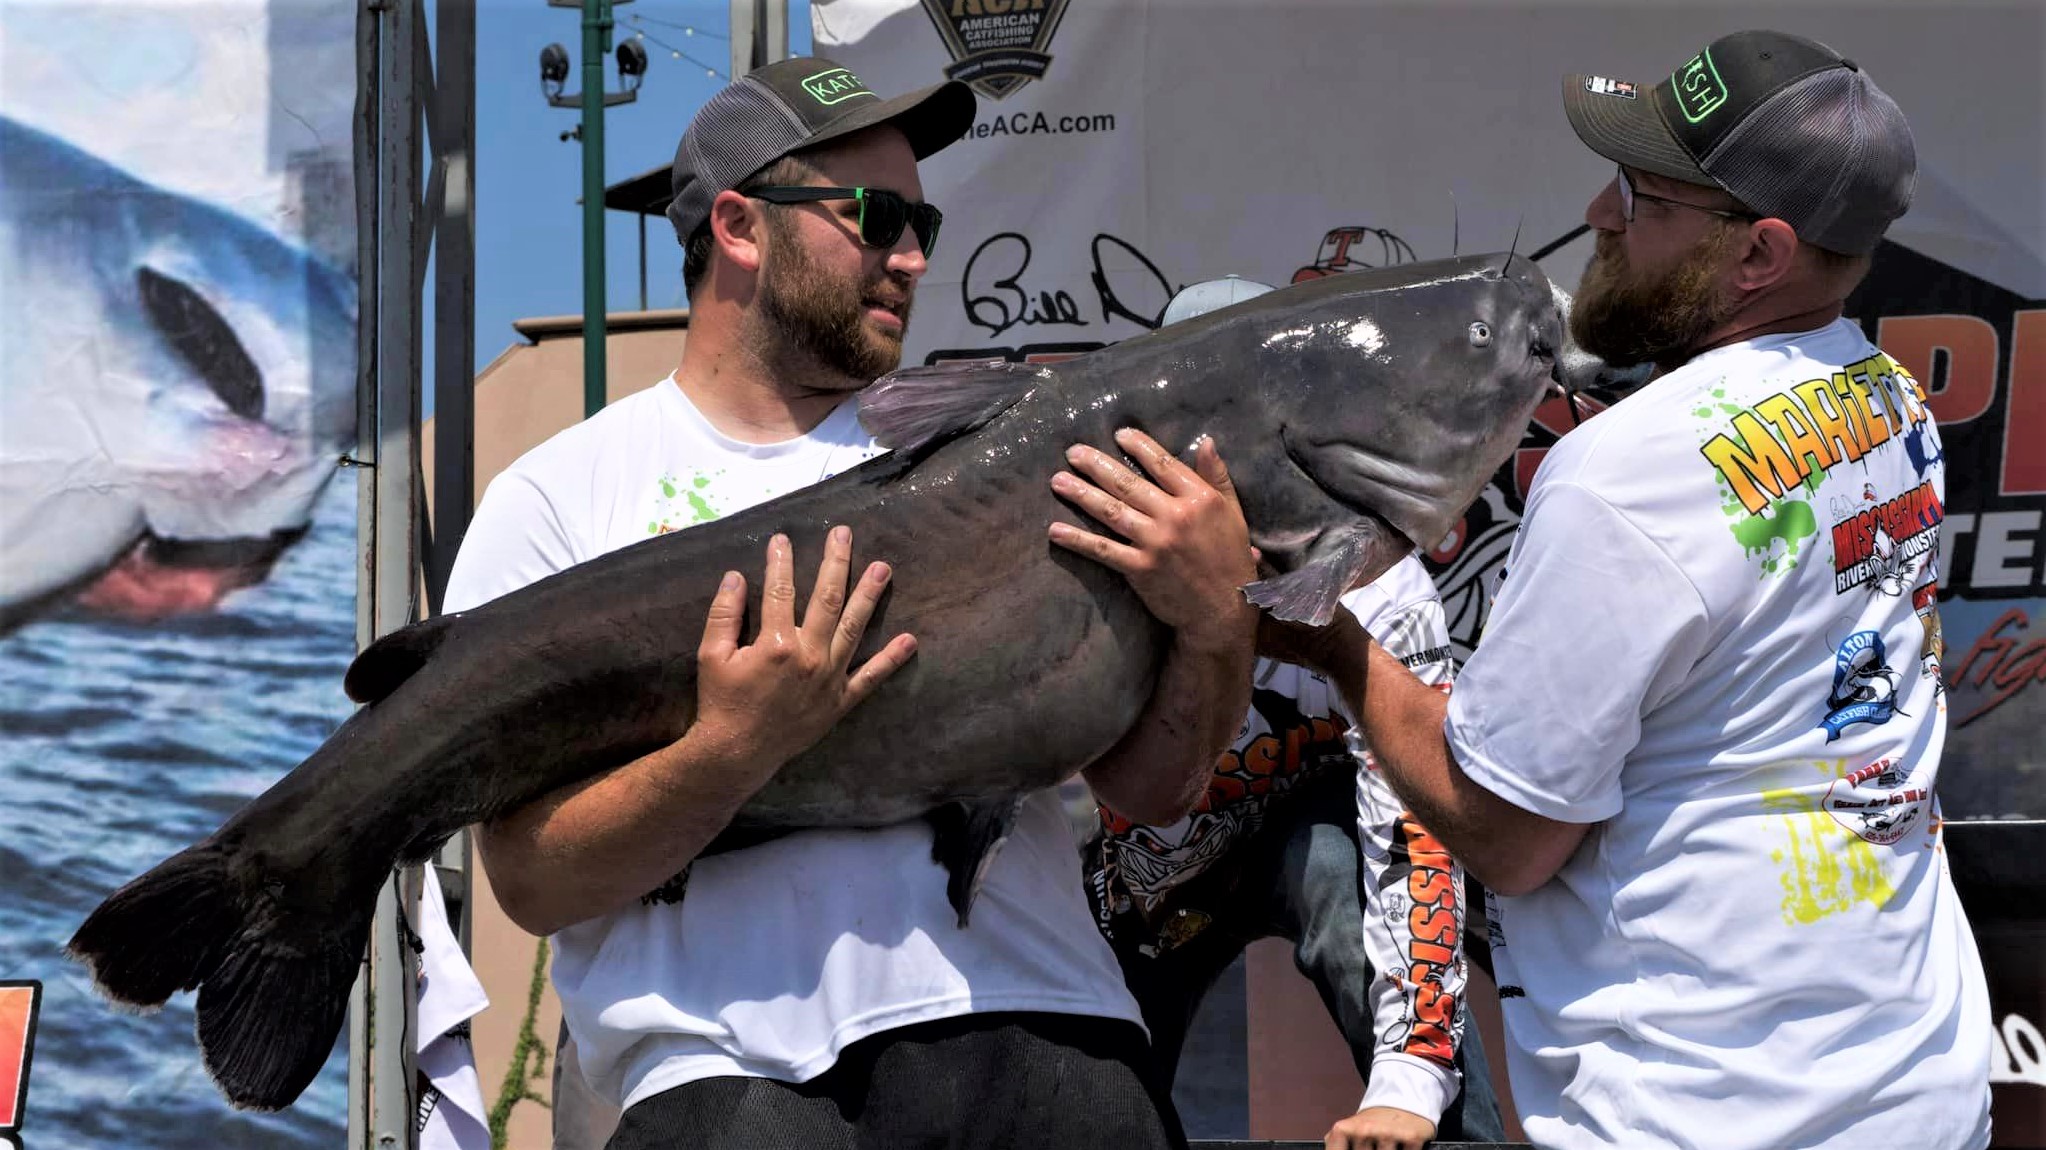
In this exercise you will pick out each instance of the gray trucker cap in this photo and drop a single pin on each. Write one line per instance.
(790, 105)
(1786, 125)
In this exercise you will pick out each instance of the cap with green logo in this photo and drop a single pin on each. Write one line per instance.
(790, 105)
(1785, 124)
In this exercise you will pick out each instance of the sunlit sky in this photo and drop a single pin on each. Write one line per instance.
(528, 182)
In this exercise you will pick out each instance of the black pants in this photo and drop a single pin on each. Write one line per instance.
(998, 1080)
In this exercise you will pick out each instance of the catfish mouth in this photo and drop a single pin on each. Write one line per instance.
(1372, 514)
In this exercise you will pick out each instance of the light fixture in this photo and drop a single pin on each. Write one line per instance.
(553, 71)
(631, 64)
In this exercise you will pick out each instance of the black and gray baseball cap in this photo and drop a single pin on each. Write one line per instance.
(1786, 125)
(790, 105)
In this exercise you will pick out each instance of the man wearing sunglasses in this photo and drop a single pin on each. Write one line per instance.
(816, 990)
(1724, 918)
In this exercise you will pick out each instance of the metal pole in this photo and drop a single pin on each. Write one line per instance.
(383, 1029)
(454, 298)
(454, 350)
(745, 33)
(642, 259)
(775, 24)
(596, 42)
(368, 78)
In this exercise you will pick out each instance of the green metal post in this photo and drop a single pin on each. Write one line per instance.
(596, 43)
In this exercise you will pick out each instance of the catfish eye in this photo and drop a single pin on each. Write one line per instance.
(1481, 335)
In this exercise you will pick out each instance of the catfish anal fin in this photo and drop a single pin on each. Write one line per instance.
(917, 409)
(965, 839)
(388, 662)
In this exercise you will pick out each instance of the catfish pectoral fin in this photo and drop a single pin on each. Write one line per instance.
(1340, 559)
(1308, 596)
(1311, 593)
(965, 839)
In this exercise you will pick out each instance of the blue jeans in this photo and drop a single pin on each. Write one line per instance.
(1300, 877)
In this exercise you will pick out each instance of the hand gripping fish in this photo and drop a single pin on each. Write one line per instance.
(1359, 414)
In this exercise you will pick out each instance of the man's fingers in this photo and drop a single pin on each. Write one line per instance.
(1111, 476)
(876, 670)
(827, 597)
(1165, 467)
(859, 609)
(778, 588)
(1116, 556)
(1209, 466)
(727, 614)
(1106, 509)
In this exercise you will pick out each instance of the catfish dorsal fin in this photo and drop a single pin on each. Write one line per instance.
(917, 409)
(388, 662)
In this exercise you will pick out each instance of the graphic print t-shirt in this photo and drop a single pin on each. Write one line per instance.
(1717, 638)
(770, 960)
(1298, 729)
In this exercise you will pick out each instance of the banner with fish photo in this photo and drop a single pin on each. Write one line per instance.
(1125, 149)
(178, 340)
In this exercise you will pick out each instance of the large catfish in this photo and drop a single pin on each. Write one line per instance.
(1359, 415)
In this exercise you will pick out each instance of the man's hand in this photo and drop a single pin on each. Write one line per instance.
(766, 703)
(1188, 554)
(1380, 1128)
(1336, 649)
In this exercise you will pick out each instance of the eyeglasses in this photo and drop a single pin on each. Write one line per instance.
(1628, 195)
(883, 214)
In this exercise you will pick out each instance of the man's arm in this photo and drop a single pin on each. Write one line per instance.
(1187, 556)
(1510, 850)
(1595, 627)
(1414, 916)
(594, 846)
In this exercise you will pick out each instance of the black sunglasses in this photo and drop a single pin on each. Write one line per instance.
(1628, 195)
(883, 214)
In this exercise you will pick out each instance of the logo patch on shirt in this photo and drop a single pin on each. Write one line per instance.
(1769, 459)
(1925, 601)
(1864, 686)
(1878, 803)
(1879, 542)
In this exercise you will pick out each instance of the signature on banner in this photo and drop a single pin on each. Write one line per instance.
(1998, 665)
(2020, 1054)
(995, 298)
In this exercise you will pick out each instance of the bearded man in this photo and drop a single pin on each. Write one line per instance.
(1724, 916)
(816, 990)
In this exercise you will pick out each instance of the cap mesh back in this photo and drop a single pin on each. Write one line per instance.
(737, 132)
(1830, 155)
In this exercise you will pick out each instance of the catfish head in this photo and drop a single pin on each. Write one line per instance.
(1395, 394)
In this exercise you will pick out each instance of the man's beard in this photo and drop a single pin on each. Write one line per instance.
(816, 323)
(1625, 318)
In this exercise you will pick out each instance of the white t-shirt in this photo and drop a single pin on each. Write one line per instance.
(1717, 639)
(777, 957)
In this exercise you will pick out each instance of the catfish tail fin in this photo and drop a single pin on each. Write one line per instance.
(162, 933)
(273, 980)
(269, 1015)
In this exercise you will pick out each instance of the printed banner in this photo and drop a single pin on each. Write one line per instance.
(177, 385)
